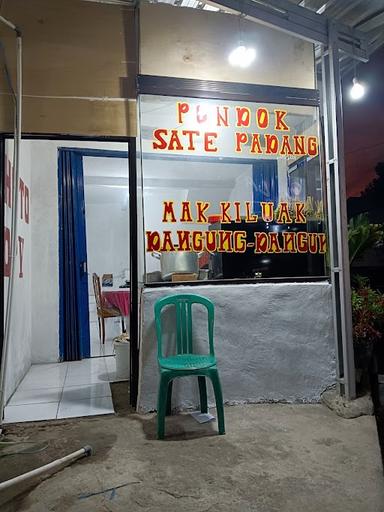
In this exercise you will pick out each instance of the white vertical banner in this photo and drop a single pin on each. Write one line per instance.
(18, 357)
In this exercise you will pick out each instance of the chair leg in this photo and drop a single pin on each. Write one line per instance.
(203, 394)
(169, 398)
(161, 405)
(103, 329)
(214, 375)
(122, 324)
(98, 321)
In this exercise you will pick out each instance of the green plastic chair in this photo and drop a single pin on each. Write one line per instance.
(185, 362)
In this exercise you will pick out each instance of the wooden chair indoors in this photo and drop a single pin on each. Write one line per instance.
(103, 310)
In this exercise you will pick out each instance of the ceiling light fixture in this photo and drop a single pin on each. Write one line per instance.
(242, 56)
(357, 89)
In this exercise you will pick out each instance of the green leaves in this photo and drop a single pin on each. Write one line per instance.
(367, 314)
(362, 235)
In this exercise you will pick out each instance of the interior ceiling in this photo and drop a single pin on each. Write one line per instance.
(106, 180)
(130, 3)
(104, 166)
(365, 15)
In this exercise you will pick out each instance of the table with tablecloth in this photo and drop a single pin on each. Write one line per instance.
(119, 298)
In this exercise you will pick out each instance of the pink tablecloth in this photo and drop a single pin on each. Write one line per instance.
(121, 299)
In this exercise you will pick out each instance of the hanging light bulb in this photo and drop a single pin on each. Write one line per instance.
(357, 90)
(242, 56)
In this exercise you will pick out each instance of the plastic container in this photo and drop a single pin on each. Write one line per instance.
(122, 359)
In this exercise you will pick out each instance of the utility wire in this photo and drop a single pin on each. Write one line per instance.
(365, 148)
(6, 71)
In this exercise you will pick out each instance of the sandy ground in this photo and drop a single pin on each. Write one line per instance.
(274, 457)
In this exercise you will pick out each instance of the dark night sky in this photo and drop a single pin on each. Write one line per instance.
(364, 124)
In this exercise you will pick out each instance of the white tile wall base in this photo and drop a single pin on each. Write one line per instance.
(63, 390)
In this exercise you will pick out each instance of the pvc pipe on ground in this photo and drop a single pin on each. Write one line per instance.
(56, 464)
(9, 23)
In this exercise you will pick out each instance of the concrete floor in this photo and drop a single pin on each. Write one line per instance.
(274, 457)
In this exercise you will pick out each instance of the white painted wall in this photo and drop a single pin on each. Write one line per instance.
(153, 208)
(243, 189)
(271, 343)
(282, 172)
(45, 247)
(107, 217)
(19, 352)
(107, 240)
(192, 43)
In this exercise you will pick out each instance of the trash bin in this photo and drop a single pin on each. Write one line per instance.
(122, 359)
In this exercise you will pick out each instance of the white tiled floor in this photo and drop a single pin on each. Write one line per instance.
(112, 329)
(63, 390)
(67, 390)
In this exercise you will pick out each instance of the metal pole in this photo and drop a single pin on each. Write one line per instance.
(337, 212)
(134, 280)
(332, 250)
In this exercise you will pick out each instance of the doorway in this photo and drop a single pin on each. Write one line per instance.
(45, 388)
(106, 199)
(93, 251)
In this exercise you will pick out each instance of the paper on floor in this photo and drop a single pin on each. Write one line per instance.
(202, 417)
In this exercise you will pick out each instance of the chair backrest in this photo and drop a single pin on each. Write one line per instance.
(183, 310)
(97, 290)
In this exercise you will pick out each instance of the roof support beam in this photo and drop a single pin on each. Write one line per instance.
(298, 21)
(337, 216)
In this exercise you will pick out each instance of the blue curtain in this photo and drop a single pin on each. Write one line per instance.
(74, 312)
(265, 183)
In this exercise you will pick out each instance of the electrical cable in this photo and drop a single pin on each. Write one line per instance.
(6, 72)
(15, 442)
(364, 148)
(37, 449)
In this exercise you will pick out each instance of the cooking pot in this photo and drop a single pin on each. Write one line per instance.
(181, 262)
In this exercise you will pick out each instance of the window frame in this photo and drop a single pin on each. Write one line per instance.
(228, 91)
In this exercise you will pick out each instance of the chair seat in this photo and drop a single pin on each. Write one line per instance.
(106, 312)
(187, 362)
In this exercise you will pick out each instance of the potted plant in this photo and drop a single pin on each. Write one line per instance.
(368, 327)
(367, 303)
